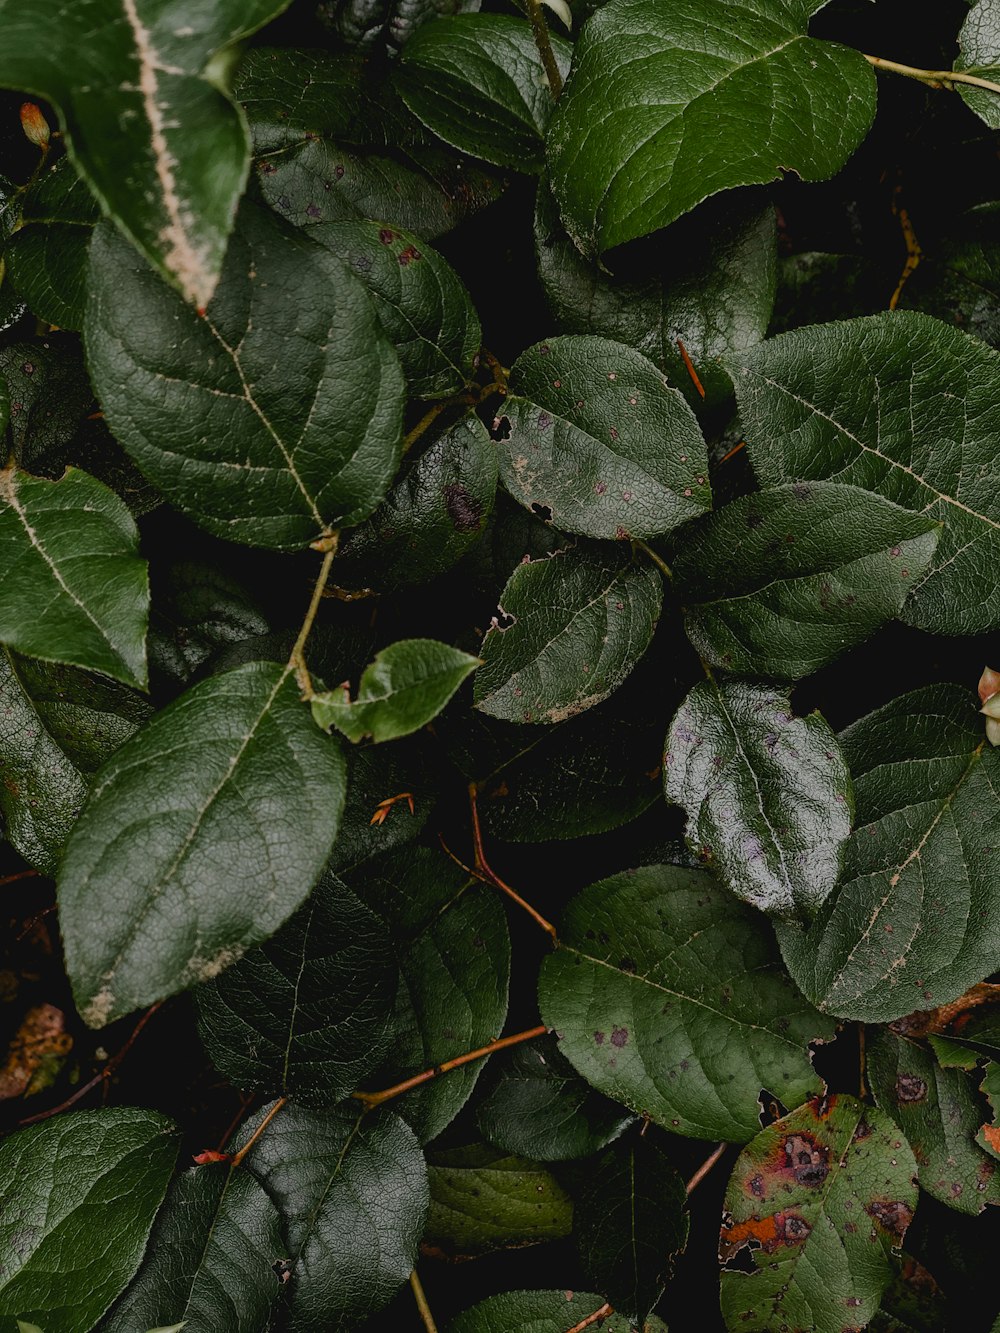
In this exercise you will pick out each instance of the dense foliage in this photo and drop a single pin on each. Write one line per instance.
(500, 530)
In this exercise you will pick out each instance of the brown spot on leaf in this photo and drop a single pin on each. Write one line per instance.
(910, 1088)
(464, 510)
(619, 1037)
(892, 1215)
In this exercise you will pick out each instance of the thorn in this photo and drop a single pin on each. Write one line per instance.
(382, 809)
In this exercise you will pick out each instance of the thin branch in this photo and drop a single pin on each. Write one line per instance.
(491, 877)
(733, 452)
(540, 30)
(602, 1313)
(934, 78)
(20, 874)
(373, 1099)
(689, 367)
(421, 1300)
(705, 1168)
(657, 560)
(297, 659)
(238, 1156)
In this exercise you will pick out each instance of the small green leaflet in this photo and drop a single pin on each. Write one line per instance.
(74, 589)
(401, 691)
(141, 100)
(979, 54)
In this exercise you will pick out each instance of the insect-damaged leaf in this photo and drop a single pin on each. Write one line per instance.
(820, 567)
(580, 621)
(821, 1199)
(914, 920)
(902, 405)
(597, 442)
(183, 857)
(671, 101)
(767, 794)
(667, 994)
(271, 419)
(141, 100)
(78, 1195)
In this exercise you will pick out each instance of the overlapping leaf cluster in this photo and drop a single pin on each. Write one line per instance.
(314, 613)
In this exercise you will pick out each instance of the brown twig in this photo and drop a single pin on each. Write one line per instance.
(934, 78)
(239, 1156)
(297, 661)
(489, 876)
(733, 452)
(540, 31)
(602, 1313)
(705, 1168)
(689, 367)
(423, 1308)
(373, 1099)
(20, 874)
(914, 254)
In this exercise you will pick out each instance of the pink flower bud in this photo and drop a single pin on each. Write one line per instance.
(34, 124)
(989, 697)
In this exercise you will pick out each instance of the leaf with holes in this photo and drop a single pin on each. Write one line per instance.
(902, 405)
(671, 101)
(272, 419)
(913, 922)
(668, 995)
(596, 441)
(821, 566)
(182, 859)
(579, 622)
(148, 122)
(74, 589)
(767, 794)
(821, 1199)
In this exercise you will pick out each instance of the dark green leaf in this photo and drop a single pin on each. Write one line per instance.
(57, 726)
(420, 300)
(939, 1113)
(271, 419)
(671, 101)
(958, 280)
(182, 859)
(405, 687)
(482, 1200)
(817, 286)
(862, 402)
(913, 923)
(11, 305)
(47, 255)
(578, 623)
(352, 1192)
(198, 611)
(539, 1106)
(629, 1222)
(378, 774)
(668, 995)
(912, 1303)
(821, 566)
(74, 589)
(50, 395)
(366, 24)
(820, 1199)
(435, 512)
(478, 82)
(454, 962)
(78, 1195)
(767, 794)
(307, 1013)
(979, 54)
(146, 119)
(709, 285)
(542, 1312)
(598, 442)
(210, 1262)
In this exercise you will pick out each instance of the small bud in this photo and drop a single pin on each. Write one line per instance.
(34, 124)
(989, 684)
(989, 697)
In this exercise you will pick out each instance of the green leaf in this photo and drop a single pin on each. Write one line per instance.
(307, 1013)
(958, 278)
(979, 54)
(210, 1261)
(598, 442)
(74, 589)
(767, 794)
(579, 621)
(50, 396)
(352, 1191)
(629, 1223)
(330, 142)
(671, 101)
(542, 1312)
(668, 995)
(820, 1199)
(483, 1200)
(708, 284)
(913, 923)
(47, 255)
(198, 611)
(454, 963)
(861, 401)
(821, 566)
(146, 122)
(421, 302)
(539, 1107)
(273, 418)
(78, 1195)
(436, 511)
(939, 1113)
(478, 82)
(182, 859)
(57, 726)
(405, 687)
